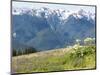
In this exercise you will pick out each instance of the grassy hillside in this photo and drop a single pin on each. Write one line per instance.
(76, 57)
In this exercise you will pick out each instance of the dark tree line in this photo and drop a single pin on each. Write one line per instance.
(17, 52)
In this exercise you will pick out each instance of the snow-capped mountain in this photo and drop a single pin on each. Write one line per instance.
(62, 14)
(46, 28)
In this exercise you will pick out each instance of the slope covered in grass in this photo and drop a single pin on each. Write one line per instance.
(81, 57)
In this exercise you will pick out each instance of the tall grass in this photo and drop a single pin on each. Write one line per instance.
(82, 57)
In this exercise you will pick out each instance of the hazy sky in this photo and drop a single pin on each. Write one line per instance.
(52, 6)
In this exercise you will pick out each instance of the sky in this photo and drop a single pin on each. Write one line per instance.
(52, 6)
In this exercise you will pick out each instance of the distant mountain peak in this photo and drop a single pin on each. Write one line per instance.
(61, 13)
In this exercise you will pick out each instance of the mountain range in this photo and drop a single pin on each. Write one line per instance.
(46, 28)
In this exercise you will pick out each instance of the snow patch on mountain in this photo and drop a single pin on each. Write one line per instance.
(61, 13)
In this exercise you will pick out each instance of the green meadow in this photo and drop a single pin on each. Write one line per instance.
(73, 58)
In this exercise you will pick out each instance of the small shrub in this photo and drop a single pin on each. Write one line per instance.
(89, 41)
